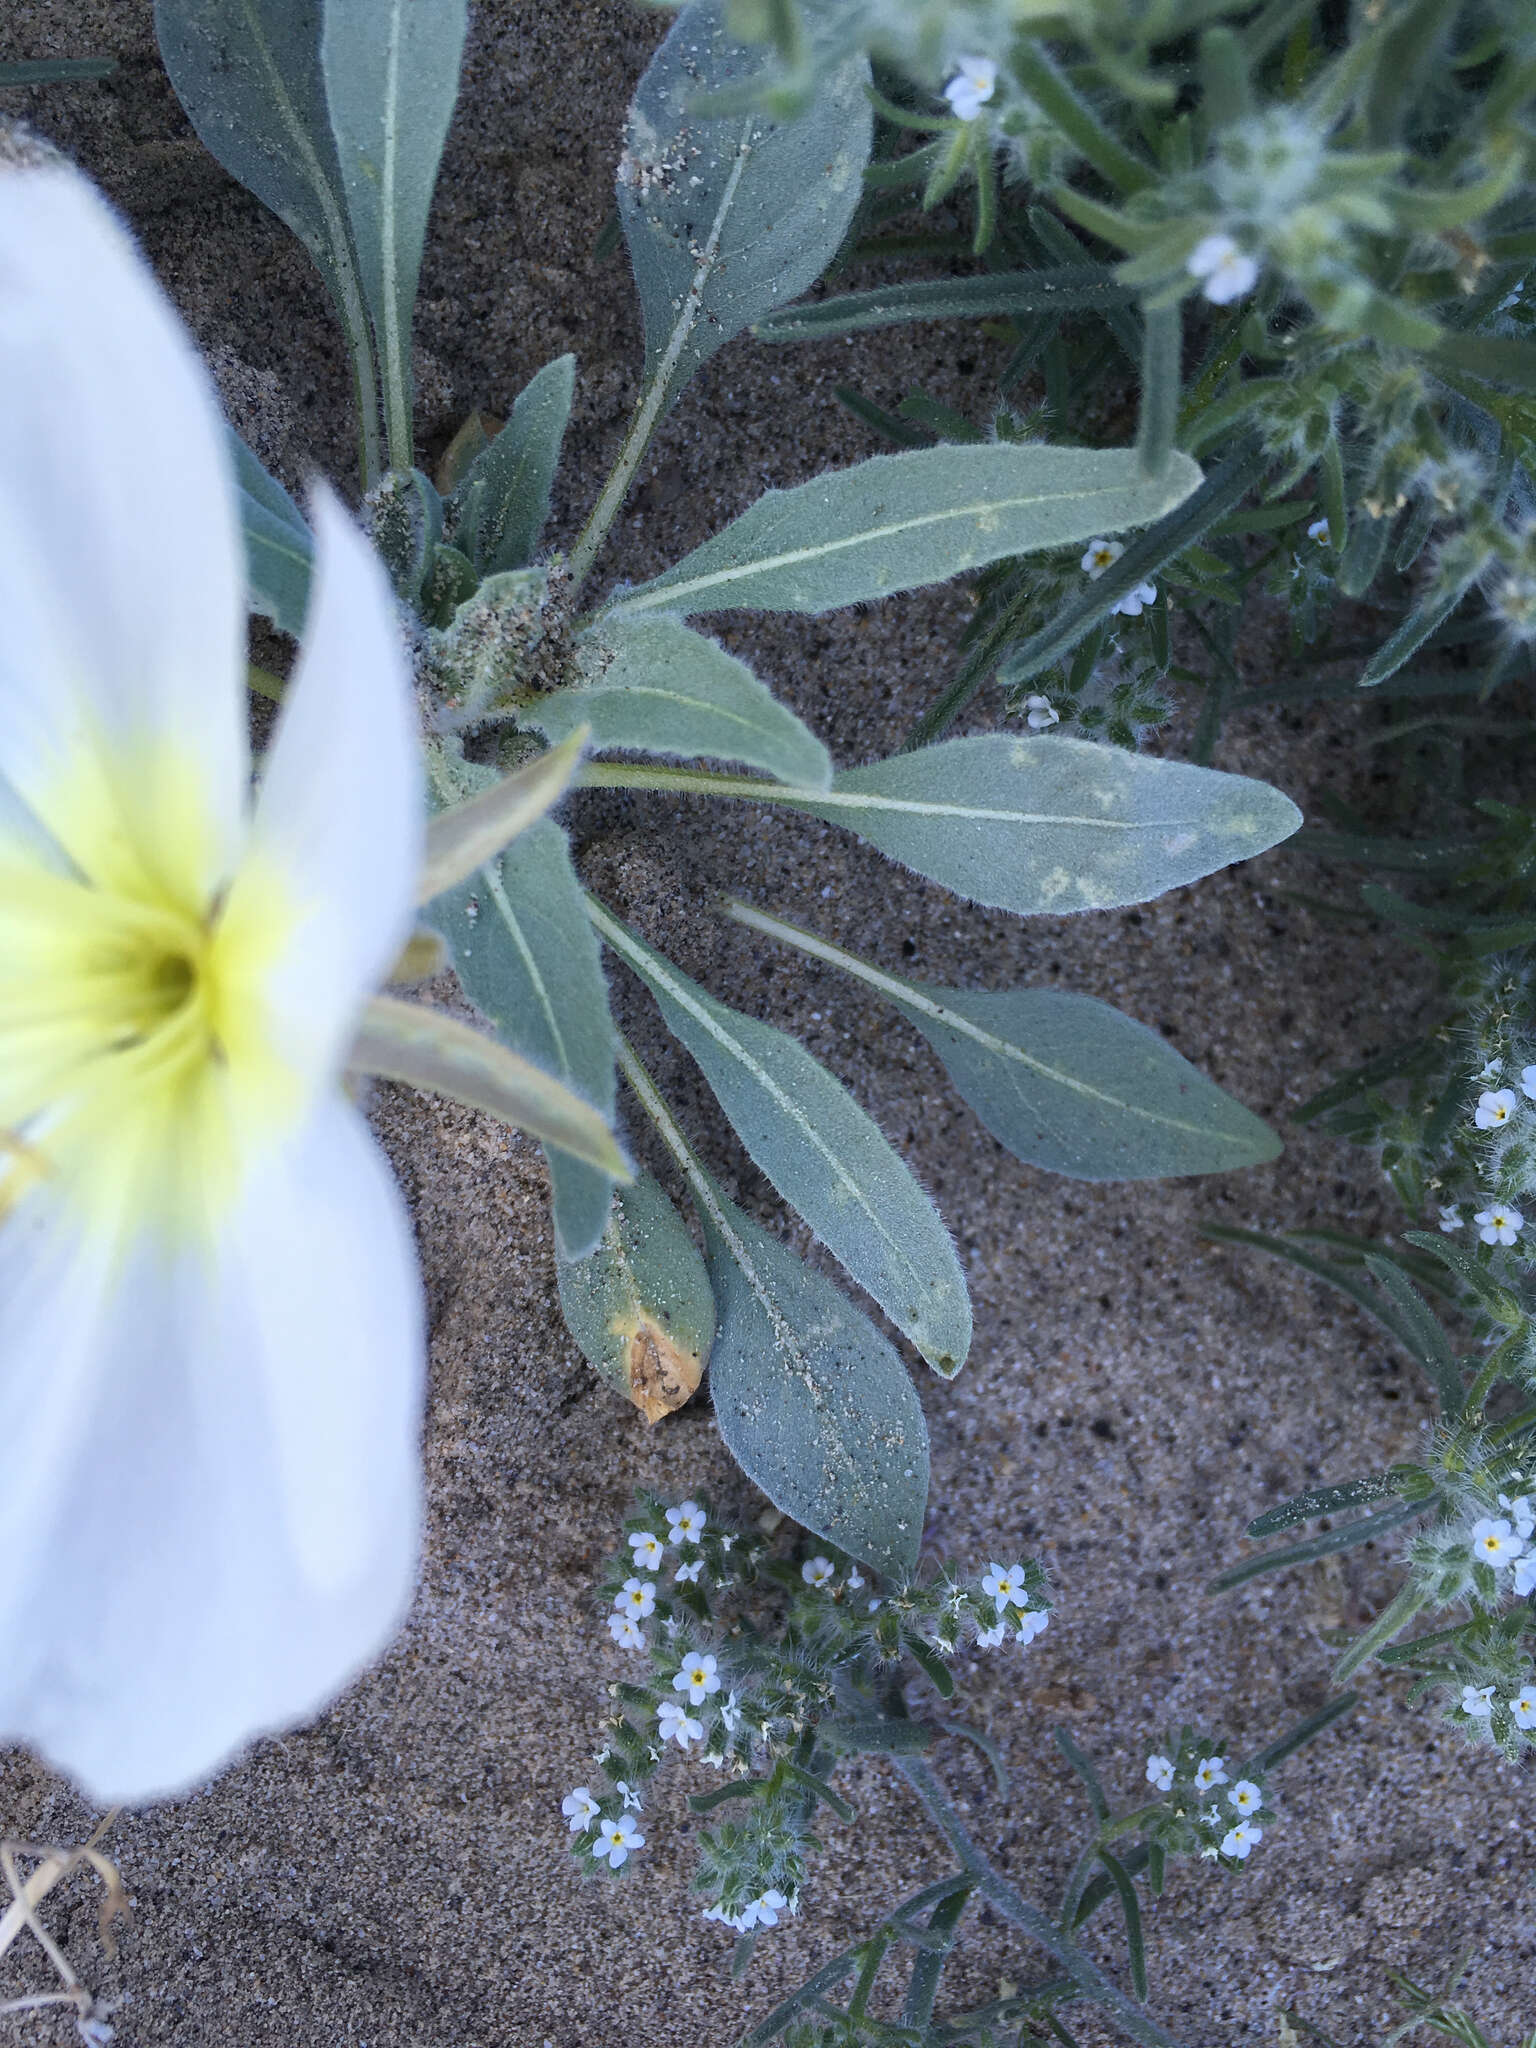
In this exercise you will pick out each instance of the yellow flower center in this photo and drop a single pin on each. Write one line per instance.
(136, 1056)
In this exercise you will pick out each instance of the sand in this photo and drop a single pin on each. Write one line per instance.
(397, 1874)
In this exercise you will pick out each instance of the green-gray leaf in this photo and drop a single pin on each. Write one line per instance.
(727, 217)
(824, 1154)
(1050, 825)
(391, 70)
(653, 686)
(516, 473)
(1063, 1081)
(526, 956)
(640, 1306)
(248, 74)
(899, 521)
(279, 548)
(813, 1403)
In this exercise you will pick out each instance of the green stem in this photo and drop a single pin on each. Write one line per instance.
(660, 387)
(1091, 1983)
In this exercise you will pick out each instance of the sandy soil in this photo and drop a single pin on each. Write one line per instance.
(396, 1877)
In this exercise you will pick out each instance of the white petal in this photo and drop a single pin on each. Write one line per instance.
(180, 1588)
(121, 572)
(341, 811)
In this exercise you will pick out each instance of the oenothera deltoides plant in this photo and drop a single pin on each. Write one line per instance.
(210, 1332)
(772, 1665)
(335, 115)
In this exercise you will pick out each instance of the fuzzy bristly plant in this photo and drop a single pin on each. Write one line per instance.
(772, 1664)
(335, 115)
(1305, 232)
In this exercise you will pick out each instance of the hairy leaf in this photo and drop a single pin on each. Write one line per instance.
(1067, 289)
(279, 548)
(640, 1306)
(728, 216)
(654, 686)
(391, 70)
(516, 473)
(896, 522)
(813, 1403)
(823, 1153)
(1052, 825)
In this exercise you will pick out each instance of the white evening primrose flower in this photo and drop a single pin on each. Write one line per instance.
(626, 1631)
(1521, 1513)
(1492, 1070)
(1042, 714)
(740, 1922)
(1245, 1796)
(1134, 602)
(1224, 271)
(638, 1598)
(615, 1839)
(1318, 530)
(730, 1713)
(1239, 1841)
(1495, 1542)
(1525, 1574)
(1211, 1770)
(1451, 1219)
(1160, 1773)
(1100, 555)
(580, 1809)
(1495, 1107)
(1498, 1224)
(767, 1906)
(855, 1580)
(817, 1572)
(210, 1326)
(973, 84)
(687, 1573)
(648, 1551)
(677, 1724)
(1032, 1624)
(989, 1638)
(1522, 1708)
(1005, 1584)
(698, 1678)
(631, 1798)
(1528, 1082)
(685, 1524)
(1477, 1701)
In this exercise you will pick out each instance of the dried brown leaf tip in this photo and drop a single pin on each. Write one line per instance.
(662, 1373)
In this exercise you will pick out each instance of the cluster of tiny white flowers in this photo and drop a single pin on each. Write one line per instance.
(974, 83)
(763, 1911)
(1041, 713)
(1223, 270)
(1499, 1108)
(1238, 1833)
(1012, 1615)
(1099, 556)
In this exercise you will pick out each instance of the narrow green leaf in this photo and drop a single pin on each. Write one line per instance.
(817, 1788)
(1068, 288)
(1305, 1731)
(425, 1049)
(1497, 359)
(56, 71)
(1063, 1081)
(878, 1736)
(1135, 1944)
(729, 216)
(1423, 1328)
(897, 522)
(1391, 1622)
(1497, 1299)
(653, 686)
(1085, 1769)
(1055, 825)
(823, 1153)
(1346, 1281)
(279, 548)
(463, 839)
(1348, 1538)
(249, 76)
(517, 472)
(524, 951)
(391, 70)
(1320, 1500)
(640, 1306)
(932, 1665)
